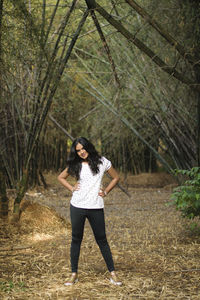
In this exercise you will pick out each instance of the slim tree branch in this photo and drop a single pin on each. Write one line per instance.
(106, 47)
(51, 22)
(60, 127)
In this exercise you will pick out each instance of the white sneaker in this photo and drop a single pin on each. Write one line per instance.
(73, 279)
(114, 280)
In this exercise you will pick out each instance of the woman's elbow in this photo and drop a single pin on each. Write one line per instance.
(59, 178)
(117, 178)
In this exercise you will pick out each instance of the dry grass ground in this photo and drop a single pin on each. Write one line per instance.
(155, 254)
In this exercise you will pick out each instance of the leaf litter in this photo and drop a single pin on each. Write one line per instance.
(155, 254)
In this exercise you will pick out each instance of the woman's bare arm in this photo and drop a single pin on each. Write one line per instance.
(115, 178)
(62, 178)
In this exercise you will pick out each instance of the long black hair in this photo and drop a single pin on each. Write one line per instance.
(74, 161)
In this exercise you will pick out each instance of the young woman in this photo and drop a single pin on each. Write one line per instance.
(88, 167)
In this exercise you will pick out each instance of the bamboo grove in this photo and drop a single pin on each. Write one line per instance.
(125, 74)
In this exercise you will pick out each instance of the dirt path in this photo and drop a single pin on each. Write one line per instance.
(155, 255)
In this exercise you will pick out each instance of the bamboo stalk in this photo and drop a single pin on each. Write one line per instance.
(154, 57)
(174, 43)
(106, 47)
(60, 127)
(99, 97)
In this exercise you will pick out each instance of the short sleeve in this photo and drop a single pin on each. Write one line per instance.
(106, 163)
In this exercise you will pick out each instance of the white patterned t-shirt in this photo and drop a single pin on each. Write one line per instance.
(89, 186)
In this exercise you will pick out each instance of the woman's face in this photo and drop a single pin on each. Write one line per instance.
(81, 151)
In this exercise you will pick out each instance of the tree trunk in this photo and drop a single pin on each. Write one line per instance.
(198, 130)
(1, 16)
(20, 194)
(3, 196)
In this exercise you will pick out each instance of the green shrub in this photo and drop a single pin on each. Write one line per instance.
(186, 197)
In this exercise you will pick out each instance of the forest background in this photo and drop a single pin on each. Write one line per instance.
(124, 74)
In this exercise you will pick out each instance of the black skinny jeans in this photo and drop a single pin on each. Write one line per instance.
(97, 222)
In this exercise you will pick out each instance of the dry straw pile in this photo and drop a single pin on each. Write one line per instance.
(156, 256)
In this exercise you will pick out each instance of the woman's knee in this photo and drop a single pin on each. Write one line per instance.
(77, 239)
(102, 241)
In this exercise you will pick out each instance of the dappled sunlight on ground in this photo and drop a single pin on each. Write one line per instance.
(40, 237)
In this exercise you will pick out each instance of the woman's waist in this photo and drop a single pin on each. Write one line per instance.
(87, 203)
